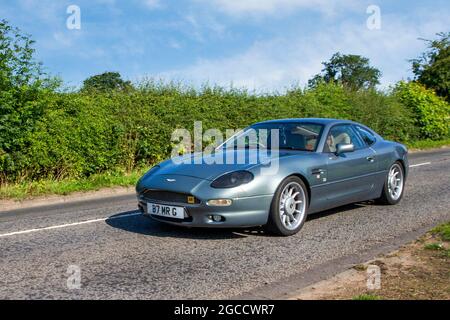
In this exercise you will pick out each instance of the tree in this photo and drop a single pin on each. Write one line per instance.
(106, 81)
(432, 68)
(24, 89)
(353, 71)
(17, 65)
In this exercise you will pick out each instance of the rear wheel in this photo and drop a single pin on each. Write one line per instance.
(393, 186)
(288, 210)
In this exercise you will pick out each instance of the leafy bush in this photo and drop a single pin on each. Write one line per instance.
(431, 113)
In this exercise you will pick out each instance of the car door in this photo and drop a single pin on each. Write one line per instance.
(348, 174)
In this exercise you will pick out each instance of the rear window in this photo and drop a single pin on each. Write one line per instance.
(366, 135)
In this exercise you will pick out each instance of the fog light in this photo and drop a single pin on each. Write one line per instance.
(219, 202)
(217, 218)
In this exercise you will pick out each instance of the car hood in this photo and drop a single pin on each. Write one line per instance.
(200, 166)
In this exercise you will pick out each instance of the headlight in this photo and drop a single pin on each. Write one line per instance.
(232, 179)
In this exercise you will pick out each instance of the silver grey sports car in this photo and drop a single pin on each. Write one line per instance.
(296, 167)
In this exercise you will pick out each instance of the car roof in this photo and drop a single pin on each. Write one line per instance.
(322, 121)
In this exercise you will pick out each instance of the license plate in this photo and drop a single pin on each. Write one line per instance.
(164, 210)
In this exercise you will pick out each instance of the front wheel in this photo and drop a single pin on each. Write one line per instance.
(393, 185)
(288, 209)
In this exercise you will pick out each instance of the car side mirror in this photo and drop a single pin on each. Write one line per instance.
(344, 148)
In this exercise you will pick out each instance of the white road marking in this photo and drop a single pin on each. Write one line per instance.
(420, 164)
(68, 225)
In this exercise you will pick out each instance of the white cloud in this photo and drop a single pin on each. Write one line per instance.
(280, 62)
(200, 28)
(254, 7)
(152, 4)
(261, 67)
(45, 10)
(62, 38)
(174, 44)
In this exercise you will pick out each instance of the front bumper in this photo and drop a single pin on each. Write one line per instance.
(243, 212)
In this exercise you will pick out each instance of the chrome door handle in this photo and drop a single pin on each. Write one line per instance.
(317, 171)
(370, 159)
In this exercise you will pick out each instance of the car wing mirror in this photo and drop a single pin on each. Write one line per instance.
(344, 148)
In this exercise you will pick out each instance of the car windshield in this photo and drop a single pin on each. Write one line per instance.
(291, 136)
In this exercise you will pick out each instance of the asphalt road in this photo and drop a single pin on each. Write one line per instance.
(121, 255)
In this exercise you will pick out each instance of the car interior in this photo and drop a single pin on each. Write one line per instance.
(337, 137)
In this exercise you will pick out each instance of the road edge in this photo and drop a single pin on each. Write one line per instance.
(51, 200)
(285, 288)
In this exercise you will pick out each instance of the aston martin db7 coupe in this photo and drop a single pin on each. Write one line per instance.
(274, 174)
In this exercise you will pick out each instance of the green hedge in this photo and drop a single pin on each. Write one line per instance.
(71, 135)
(430, 112)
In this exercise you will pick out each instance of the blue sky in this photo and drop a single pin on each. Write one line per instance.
(265, 45)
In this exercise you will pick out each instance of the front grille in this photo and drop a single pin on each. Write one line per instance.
(168, 196)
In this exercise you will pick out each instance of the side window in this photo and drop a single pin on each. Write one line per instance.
(342, 134)
(368, 137)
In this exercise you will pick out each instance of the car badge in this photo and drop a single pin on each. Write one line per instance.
(171, 180)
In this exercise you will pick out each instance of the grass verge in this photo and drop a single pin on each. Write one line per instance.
(95, 182)
(417, 271)
(442, 231)
(427, 144)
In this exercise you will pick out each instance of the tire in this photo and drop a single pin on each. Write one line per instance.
(288, 207)
(388, 196)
